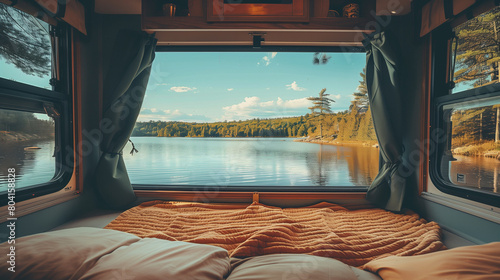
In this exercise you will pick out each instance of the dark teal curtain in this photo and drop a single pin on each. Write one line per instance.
(124, 87)
(388, 188)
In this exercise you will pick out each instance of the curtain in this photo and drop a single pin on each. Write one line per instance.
(388, 188)
(124, 87)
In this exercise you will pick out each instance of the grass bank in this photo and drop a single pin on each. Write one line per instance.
(486, 149)
(334, 141)
(14, 136)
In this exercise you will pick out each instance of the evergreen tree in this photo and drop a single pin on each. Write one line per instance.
(24, 42)
(321, 106)
(361, 96)
(478, 51)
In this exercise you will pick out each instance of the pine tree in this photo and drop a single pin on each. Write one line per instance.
(321, 106)
(24, 42)
(478, 51)
(361, 96)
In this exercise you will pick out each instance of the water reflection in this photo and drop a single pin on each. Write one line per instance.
(249, 162)
(479, 172)
(33, 166)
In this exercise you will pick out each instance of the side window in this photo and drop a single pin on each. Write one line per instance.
(35, 133)
(467, 162)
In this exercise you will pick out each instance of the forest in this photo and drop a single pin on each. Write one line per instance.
(348, 126)
(26, 123)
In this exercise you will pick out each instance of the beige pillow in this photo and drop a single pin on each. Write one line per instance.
(295, 267)
(151, 259)
(481, 262)
(63, 254)
(95, 253)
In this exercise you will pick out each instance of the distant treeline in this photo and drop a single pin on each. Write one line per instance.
(347, 125)
(16, 121)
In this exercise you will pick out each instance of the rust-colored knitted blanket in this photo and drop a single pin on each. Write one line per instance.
(329, 230)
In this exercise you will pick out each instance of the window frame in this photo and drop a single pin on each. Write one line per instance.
(441, 96)
(260, 189)
(24, 97)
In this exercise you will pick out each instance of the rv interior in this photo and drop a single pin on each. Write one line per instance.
(250, 139)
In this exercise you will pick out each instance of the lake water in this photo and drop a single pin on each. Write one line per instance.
(248, 162)
(215, 162)
(32, 166)
(237, 162)
(479, 172)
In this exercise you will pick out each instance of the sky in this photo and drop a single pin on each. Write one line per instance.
(217, 86)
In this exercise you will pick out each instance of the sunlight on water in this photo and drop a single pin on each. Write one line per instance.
(248, 162)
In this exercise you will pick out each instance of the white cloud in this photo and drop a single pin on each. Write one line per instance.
(169, 115)
(336, 97)
(294, 103)
(266, 60)
(295, 86)
(230, 89)
(253, 107)
(182, 89)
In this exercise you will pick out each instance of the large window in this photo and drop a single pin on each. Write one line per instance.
(255, 120)
(467, 117)
(35, 116)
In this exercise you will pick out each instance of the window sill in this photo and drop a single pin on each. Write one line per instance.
(247, 197)
(29, 206)
(486, 212)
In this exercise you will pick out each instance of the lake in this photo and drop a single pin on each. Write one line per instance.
(237, 162)
(480, 172)
(215, 162)
(248, 162)
(32, 166)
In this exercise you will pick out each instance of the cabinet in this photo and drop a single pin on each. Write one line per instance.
(313, 17)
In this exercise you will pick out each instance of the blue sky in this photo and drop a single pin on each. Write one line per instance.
(206, 87)
(214, 86)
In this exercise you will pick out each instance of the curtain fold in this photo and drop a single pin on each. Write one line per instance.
(388, 188)
(124, 87)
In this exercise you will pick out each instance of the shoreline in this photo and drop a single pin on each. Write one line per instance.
(14, 136)
(487, 149)
(331, 141)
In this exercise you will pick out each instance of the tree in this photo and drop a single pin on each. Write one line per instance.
(361, 96)
(24, 42)
(321, 106)
(478, 50)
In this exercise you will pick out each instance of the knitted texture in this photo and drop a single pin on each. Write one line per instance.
(354, 237)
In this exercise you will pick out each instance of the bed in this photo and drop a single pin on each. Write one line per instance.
(172, 240)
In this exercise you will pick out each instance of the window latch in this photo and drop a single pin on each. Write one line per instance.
(51, 111)
(257, 39)
(55, 31)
